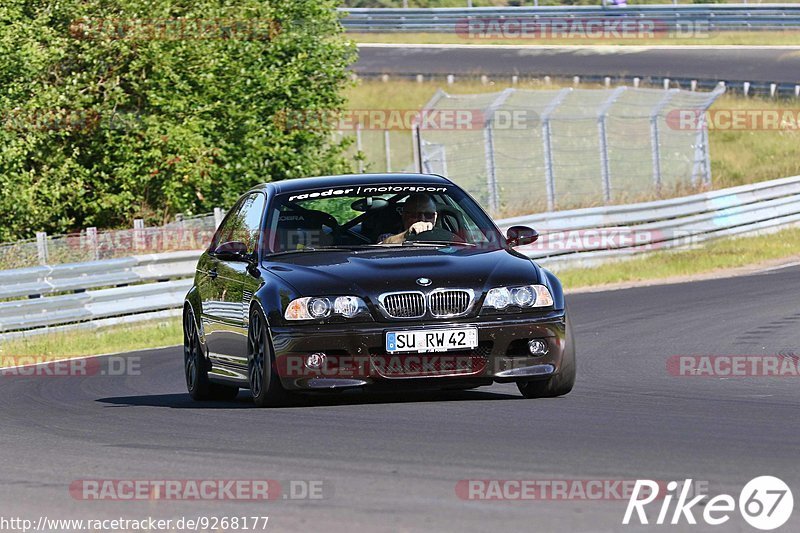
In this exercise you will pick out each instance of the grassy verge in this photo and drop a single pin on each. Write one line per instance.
(76, 343)
(754, 38)
(716, 256)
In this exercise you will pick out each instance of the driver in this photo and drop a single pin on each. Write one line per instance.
(419, 214)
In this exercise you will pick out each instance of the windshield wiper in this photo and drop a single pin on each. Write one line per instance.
(437, 243)
(307, 249)
(352, 247)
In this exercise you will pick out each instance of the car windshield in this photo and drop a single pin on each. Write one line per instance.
(380, 215)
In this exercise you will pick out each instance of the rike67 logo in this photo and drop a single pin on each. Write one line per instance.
(765, 503)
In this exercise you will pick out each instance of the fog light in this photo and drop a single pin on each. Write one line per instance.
(315, 361)
(537, 347)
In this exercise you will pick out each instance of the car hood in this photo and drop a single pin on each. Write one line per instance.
(374, 271)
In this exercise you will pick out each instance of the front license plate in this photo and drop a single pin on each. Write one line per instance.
(431, 340)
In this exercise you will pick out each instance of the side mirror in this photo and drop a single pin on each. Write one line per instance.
(521, 235)
(232, 251)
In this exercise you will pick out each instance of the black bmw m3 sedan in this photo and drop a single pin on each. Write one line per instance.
(376, 282)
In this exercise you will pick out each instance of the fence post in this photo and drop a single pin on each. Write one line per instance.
(549, 178)
(605, 167)
(416, 130)
(138, 233)
(218, 216)
(41, 247)
(702, 154)
(359, 147)
(707, 159)
(698, 166)
(655, 137)
(489, 151)
(94, 246)
(416, 144)
(491, 169)
(388, 150)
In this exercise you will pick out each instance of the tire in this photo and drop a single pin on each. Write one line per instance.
(559, 384)
(265, 386)
(196, 369)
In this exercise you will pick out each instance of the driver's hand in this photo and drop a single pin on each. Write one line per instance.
(419, 227)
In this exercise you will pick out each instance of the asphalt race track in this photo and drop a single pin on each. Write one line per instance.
(391, 463)
(734, 63)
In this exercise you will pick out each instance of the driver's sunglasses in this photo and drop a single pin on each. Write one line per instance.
(420, 215)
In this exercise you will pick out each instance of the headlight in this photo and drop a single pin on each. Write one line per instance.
(347, 306)
(319, 307)
(521, 296)
(498, 298)
(315, 308)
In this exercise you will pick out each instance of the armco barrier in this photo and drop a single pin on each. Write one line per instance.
(138, 287)
(720, 17)
(47, 279)
(154, 285)
(674, 223)
(91, 305)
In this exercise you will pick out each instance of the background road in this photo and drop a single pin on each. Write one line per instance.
(392, 462)
(736, 63)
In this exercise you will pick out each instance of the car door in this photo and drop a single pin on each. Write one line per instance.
(235, 287)
(211, 286)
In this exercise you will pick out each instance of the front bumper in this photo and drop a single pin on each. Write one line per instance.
(355, 355)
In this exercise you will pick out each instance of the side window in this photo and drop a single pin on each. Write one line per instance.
(251, 214)
(243, 223)
(225, 230)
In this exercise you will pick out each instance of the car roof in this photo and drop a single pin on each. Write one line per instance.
(301, 184)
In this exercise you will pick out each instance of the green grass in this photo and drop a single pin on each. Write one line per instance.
(716, 38)
(715, 256)
(740, 157)
(76, 343)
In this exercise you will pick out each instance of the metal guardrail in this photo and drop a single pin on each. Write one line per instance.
(47, 279)
(586, 237)
(719, 17)
(156, 284)
(138, 287)
(93, 305)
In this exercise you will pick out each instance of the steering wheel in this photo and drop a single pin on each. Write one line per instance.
(435, 234)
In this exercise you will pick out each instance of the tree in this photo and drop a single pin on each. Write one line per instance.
(112, 110)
